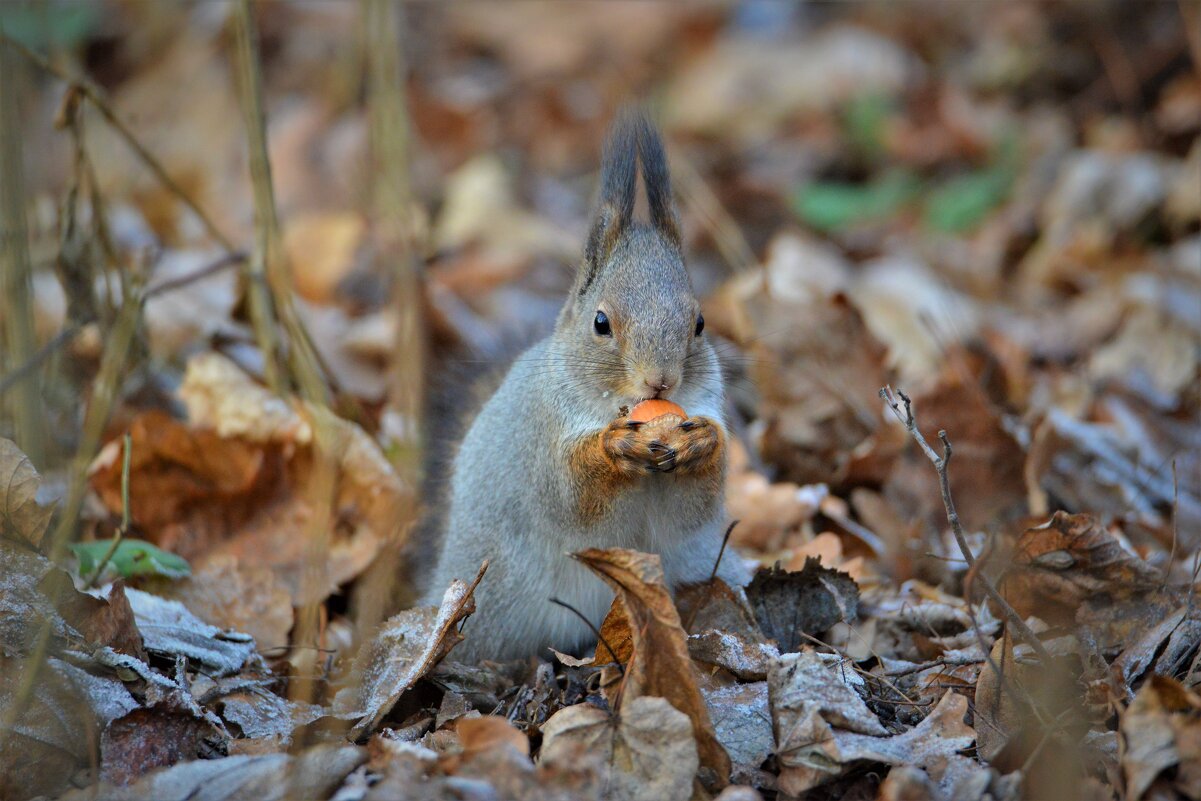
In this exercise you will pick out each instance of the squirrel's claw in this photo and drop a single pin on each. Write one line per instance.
(665, 457)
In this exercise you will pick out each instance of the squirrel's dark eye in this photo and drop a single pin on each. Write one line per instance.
(601, 325)
(700, 324)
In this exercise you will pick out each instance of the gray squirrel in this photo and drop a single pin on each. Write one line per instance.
(553, 464)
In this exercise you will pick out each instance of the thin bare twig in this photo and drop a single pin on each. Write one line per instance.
(712, 575)
(96, 97)
(232, 259)
(600, 637)
(940, 465)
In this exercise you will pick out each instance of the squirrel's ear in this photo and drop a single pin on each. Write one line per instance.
(619, 183)
(658, 182)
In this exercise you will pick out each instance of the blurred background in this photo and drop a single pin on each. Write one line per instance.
(992, 206)
(996, 203)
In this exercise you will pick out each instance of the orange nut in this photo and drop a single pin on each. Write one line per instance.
(654, 407)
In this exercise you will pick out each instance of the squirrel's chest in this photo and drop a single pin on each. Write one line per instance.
(653, 514)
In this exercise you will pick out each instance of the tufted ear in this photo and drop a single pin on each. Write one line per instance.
(619, 184)
(657, 180)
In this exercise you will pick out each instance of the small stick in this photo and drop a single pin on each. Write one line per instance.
(709, 591)
(594, 629)
(231, 259)
(940, 465)
(64, 336)
(112, 549)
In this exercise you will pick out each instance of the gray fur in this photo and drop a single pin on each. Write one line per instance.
(511, 500)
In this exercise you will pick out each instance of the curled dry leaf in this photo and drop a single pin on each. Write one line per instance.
(645, 753)
(235, 483)
(21, 516)
(407, 647)
(1070, 558)
(34, 593)
(660, 664)
(1074, 570)
(823, 753)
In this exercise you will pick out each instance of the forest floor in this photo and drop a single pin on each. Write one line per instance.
(951, 253)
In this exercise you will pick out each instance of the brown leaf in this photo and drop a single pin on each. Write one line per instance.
(646, 753)
(490, 732)
(660, 665)
(244, 480)
(174, 469)
(314, 773)
(1072, 570)
(321, 248)
(1162, 730)
(723, 631)
(407, 647)
(615, 632)
(232, 594)
(831, 751)
(154, 737)
(789, 605)
(21, 516)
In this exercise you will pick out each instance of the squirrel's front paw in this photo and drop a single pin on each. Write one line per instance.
(639, 447)
(696, 443)
(663, 445)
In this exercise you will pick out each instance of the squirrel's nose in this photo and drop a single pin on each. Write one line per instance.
(657, 385)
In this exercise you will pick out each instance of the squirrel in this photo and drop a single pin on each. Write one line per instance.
(552, 462)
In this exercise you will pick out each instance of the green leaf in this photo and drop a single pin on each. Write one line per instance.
(38, 25)
(831, 206)
(864, 119)
(132, 558)
(964, 201)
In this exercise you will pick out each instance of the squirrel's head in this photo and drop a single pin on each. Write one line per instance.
(632, 317)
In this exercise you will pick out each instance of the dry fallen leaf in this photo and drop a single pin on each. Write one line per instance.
(646, 753)
(1074, 570)
(407, 647)
(819, 753)
(49, 742)
(21, 516)
(321, 250)
(742, 721)
(232, 594)
(314, 773)
(789, 605)
(660, 664)
(1162, 730)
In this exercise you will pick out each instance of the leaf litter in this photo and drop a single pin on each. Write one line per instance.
(995, 211)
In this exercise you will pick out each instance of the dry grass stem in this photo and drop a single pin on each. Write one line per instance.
(97, 98)
(16, 291)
